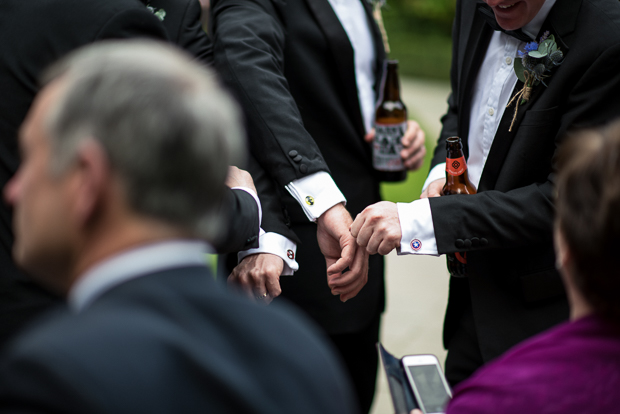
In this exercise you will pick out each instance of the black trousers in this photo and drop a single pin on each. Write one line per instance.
(464, 356)
(359, 352)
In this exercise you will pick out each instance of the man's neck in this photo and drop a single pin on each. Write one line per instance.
(534, 26)
(109, 239)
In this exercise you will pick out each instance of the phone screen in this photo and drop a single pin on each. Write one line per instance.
(430, 387)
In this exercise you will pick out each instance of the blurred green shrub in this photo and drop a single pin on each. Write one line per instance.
(419, 35)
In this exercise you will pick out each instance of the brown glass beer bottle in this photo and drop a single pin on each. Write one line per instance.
(457, 182)
(390, 126)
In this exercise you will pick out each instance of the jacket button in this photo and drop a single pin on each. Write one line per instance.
(292, 153)
(483, 242)
(475, 241)
(298, 158)
(467, 243)
(459, 243)
(303, 168)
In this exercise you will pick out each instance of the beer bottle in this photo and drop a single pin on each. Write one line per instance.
(457, 182)
(390, 126)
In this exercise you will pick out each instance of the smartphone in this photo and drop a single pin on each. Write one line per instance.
(428, 383)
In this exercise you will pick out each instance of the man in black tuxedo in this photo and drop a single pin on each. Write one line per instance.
(61, 26)
(307, 74)
(126, 151)
(513, 290)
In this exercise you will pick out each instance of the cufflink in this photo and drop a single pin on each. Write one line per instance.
(416, 244)
(310, 200)
(290, 254)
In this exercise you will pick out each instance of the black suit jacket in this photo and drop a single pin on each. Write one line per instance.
(173, 342)
(506, 229)
(183, 26)
(291, 65)
(35, 34)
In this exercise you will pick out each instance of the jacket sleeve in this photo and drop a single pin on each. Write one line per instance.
(249, 41)
(240, 213)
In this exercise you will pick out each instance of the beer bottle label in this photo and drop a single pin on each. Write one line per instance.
(456, 166)
(387, 145)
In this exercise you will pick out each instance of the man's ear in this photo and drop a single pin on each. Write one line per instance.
(92, 180)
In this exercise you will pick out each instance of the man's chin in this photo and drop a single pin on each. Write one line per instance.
(510, 18)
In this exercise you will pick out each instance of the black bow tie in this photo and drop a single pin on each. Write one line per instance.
(487, 13)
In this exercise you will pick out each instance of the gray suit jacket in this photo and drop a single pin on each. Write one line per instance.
(173, 342)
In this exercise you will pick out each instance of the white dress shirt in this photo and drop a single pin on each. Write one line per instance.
(489, 100)
(320, 186)
(135, 263)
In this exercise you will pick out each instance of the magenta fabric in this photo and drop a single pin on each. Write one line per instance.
(572, 368)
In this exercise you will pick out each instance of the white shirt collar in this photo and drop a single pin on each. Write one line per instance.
(134, 263)
(532, 28)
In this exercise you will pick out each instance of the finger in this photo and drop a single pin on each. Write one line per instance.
(387, 245)
(358, 268)
(424, 193)
(273, 291)
(410, 133)
(357, 224)
(346, 257)
(364, 235)
(242, 282)
(415, 161)
(415, 153)
(434, 190)
(273, 287)
(375, 240)
(370, 135)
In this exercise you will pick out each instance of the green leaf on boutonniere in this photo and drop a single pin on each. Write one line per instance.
(519, 69)
(534, 63)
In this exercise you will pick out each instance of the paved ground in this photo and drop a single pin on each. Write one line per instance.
(417, 286)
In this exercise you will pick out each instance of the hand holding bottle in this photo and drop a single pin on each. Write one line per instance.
(413, 141)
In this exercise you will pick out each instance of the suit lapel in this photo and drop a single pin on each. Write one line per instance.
(342, 52)
(475, 49)
(561, 23)
(503, 138)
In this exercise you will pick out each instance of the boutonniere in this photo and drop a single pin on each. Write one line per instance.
(533, 65)
(376, 3)
(376, 14)
(159, 13)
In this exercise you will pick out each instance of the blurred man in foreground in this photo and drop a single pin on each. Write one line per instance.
(125, 153)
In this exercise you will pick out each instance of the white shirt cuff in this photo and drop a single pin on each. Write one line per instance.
(416, 225)
(253, 194)
(439, 171)
(277, 244)
(316, 194)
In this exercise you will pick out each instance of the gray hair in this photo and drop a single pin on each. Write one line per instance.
(169, 130)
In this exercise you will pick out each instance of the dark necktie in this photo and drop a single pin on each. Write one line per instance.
(487, 13)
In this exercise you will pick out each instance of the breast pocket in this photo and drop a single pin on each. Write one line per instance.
(541, 119)
(534, 144)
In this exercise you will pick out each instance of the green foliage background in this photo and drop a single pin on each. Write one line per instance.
(419, 35)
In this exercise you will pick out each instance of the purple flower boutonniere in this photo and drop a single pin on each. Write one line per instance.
(533, 65)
